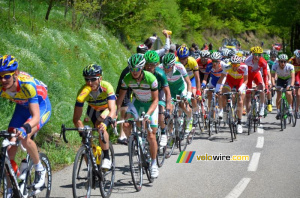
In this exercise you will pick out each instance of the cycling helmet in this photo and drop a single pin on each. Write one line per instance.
(8, 63)
(283, 57)
(183, 52)
(235, 59)
(216, 56)
(169, 60)
(142, 49)
(136, 61)
(243, 59)
(205, 54)
(231, 53)
(195, 55)
(92, 70)
(297, 53)
(226, 52)
(151, 56)
(257, 50)
(274, 53)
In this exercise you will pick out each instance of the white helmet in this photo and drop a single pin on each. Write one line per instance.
(283, 57)
(235, 59)
(216, 56)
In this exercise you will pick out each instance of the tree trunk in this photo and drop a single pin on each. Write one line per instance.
(292, 38)
(74, 17)
(296, 37)
(49, 9)
(66, 8)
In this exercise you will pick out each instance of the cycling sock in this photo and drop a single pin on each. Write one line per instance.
(278, 110)
(153, 162)
(239, 121)
(38, 167)
(105, 152)
(269, 102)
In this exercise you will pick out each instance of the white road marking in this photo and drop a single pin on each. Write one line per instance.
(260, 129)
(239, 188)
(254, 162)
(260, 142)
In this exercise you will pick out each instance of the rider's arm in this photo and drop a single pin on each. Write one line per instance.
(154, 95)
(292, 78)
(34, 109)
(76, 116)
(197, 78)
(273, 74)
(188, 83)
(245, 79)
(205, 78)
(168, 97)
(112, 108)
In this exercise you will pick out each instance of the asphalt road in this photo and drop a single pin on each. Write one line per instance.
(272, 171)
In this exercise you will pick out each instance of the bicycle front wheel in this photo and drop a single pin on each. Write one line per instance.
(45, 190)
(282, 114)
(82, 174)
(3, 184)
(106, 183)
(135, 162)
(170, 130)
(182, 138)
(294, 113)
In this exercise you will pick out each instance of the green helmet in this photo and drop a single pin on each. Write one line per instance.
(151, 56)
(136, 61)
(169, 60)
(92, 70)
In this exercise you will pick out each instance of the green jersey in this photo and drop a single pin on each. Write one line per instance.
(161, 78)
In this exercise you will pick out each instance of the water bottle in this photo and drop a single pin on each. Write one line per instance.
(23, 169)
(15, 167)
(167, 32)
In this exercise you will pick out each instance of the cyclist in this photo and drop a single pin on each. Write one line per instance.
(149, 43)
(295, 60)
(179, 83)
(227, 54)
(215, 70)
(101, 99)
(255, 62)
(145, 98)
(192, 69)
(32, 111)
(236, 76)
(152, 61)
(285, 76)
(203, 62)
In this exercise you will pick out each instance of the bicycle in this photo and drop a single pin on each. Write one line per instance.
(284, 106)
(139, 153)
(25, 188)
(199, 118)
(253, 115)
(231, 115)
(213, 118)
(87, 171)
(161, 150)
(176, 129)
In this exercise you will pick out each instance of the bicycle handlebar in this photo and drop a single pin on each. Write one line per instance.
(80, 129)
(6, 134)
(131, 121)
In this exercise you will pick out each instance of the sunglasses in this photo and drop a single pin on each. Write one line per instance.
(168, 66)
(282, 61)
(137, 69)
(91, 79)
(6, 76)
(235, 65)
(256, 54)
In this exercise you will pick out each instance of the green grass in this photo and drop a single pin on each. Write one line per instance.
(56, 55)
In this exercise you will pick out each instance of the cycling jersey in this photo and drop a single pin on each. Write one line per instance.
(190, 66)
(175, 79)
(96, 99)
(162, 80)
(296, 65)
(29, 90)
(142, 90)
(235, 78)
(254, 68)
(284, 73)
(202, 67)
(215, 74)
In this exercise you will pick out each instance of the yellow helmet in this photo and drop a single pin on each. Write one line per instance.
(257, 50)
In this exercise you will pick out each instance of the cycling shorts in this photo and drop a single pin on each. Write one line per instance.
(94, 115)
(22, 115)
(229, 84)
(297, 78)
(193, 82)
(136, 108)
(256, 77)
(281, 82)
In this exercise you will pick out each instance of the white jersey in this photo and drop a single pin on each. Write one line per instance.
(284, 73)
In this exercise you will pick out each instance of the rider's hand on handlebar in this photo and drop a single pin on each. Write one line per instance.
(102, 127)
(147, 117)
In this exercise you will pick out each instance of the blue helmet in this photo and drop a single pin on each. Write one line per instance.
(8, 63)
(183, 51)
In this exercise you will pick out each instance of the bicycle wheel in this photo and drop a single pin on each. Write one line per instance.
(231, 124)
(45, 190)
(182, 138)
(3, 185)
(255, 116)
(217, 125)
(147, 162)
(282, 114)
(191, 136)
(161, 150)
(294, 114)
(249, 122)
(170, 130)
(82, 174)
(107, 179)
(135, 163)
(209, 127)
